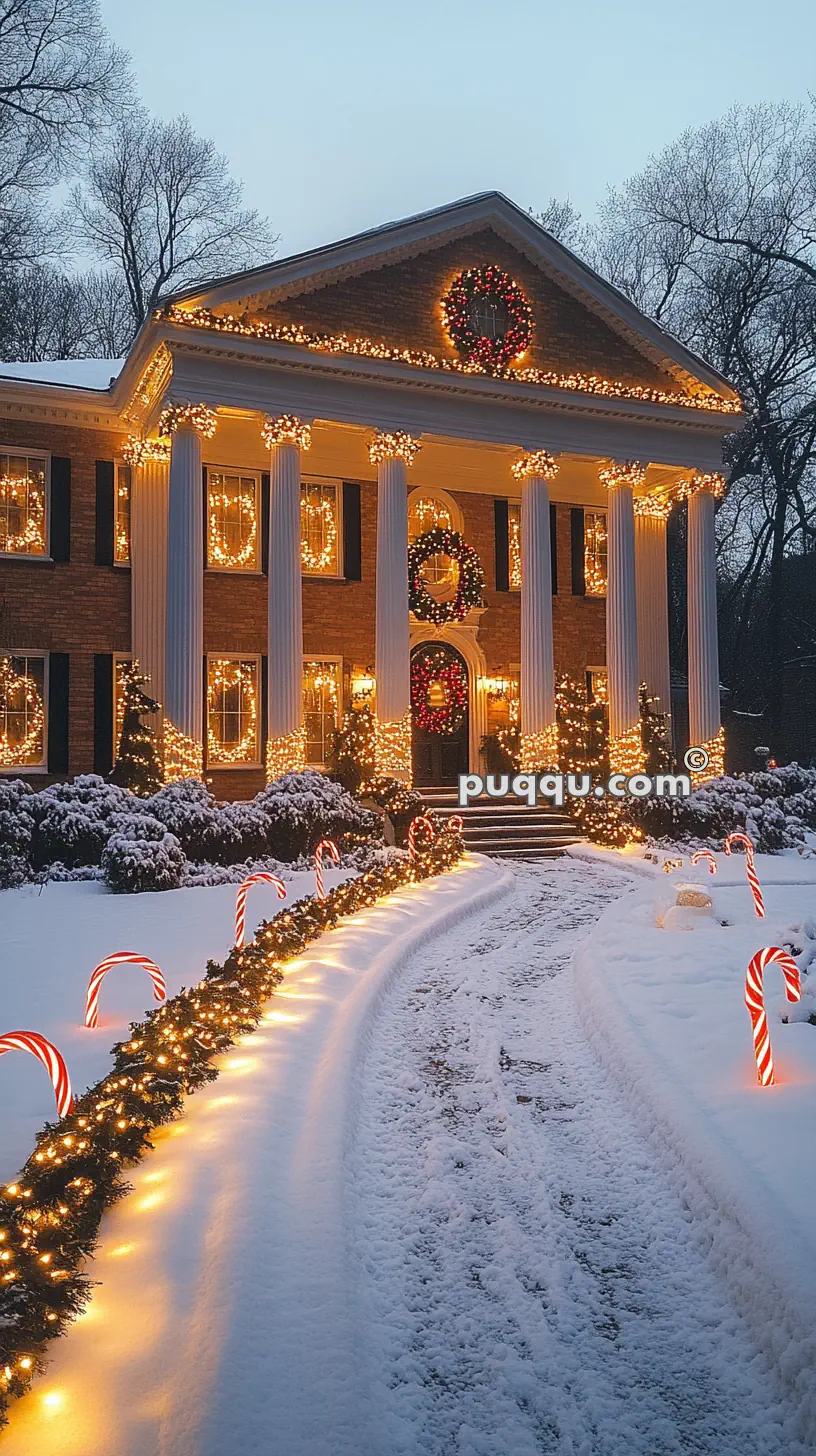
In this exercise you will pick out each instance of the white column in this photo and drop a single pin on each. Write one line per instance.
(392, 454)
(286, 747)
(539, 734)
(703, 654)
(621, 615)
(148, 560)
(184, 665)
(652, 591)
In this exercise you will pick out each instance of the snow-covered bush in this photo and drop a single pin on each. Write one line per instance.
(190, 812)
(774, 806)
(16, 831)
(141, 855)
(246, 831)
(307, 807)
(73, 821)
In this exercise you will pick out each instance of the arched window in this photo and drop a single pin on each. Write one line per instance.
(426, 509)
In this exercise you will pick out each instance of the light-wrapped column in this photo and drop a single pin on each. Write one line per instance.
(625, 739)
(652, 591)
(392, 454)
(149, 462)
(539, 731)
(184, 662)
(705, 729)
(285, 437)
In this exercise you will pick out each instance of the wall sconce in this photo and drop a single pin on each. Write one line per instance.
(496, 687)
(362, 688)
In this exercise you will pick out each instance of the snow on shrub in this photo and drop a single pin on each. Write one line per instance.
(141, 855)
(190, 812)
(73, 821)
(307, 807)
(775, 807)
(16, 830)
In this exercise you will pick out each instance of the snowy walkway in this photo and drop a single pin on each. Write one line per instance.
(412, 1218)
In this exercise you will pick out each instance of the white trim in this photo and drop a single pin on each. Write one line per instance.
(44, 455)
(14, 769)
(257, 658)
(242, 474)
(340, 574)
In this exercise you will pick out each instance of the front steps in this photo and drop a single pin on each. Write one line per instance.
(504, 828)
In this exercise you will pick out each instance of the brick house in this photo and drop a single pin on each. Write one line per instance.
(234, 506)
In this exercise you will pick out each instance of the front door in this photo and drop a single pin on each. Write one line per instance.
(439, 709)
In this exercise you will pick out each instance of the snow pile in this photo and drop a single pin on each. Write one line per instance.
(666, 1010)
(776, 807)
(147, 843)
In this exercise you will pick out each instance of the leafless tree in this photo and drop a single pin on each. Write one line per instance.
(563, 220)
(159, 206)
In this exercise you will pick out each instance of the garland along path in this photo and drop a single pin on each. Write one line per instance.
(412, 1218)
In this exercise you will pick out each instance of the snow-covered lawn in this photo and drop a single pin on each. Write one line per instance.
(50, 940)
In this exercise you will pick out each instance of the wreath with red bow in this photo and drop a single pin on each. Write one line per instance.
(441, 671)
(489, 351)
(425, 606)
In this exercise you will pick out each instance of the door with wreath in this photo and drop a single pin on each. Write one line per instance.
(439, 711)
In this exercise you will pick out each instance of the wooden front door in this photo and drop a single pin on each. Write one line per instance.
(439, 704)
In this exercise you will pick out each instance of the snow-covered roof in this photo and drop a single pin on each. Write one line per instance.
(76, 373)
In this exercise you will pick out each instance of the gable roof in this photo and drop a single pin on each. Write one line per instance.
(351, 257)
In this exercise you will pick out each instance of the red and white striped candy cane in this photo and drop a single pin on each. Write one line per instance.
(120, 958)
(705, 854)
(426, 824)
(755, 1001)
(753, 879)
(456, 824)
(334, 853)
(31, 1041)
(240, 899)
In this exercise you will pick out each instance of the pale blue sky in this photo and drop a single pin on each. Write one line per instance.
(338, 119)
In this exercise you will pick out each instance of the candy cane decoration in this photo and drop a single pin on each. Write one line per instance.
(426, 824)
(753, 879)
(121, 957)
(334, 853)
(240, 899)
(705, 854)
(46, 1052)
(456, 824)
(755, 1001)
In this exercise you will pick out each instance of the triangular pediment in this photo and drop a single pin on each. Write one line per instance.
(385, 286)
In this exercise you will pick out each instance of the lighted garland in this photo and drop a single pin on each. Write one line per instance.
(219, 552)
(183, 756)
(576, 382)
(619, 473)
(28, 749)
(324, 511)
(393, 445)
(713, 482)
(539, 462)
(50, 1215)
(285, 754)
(438, 667)
(657, 506)
(198, 417)
(27, 496)
(224, 676)
(492, 283)
(137, 451)
(443, 542)
(286, 430)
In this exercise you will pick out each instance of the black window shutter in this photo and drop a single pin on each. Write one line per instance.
(205, 531)
(58, 713)
(60, 508)
(501, 519)
(577, 541)
(265, 522)
(104, 752)
(264, 706)
(554, 547)
(104, 512)
(352, 542)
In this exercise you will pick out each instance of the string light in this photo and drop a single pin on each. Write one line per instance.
(659, 506)
(198, 417)
(538, 462)
(398, 445)
(26, 496)
(715, 748)
(20, 696)
(514, 545)
(137, 451)
(50, 1215)
(596, 543)
(152, 381)
(225, 500)
(183, 756)
(425, 513)
(286, 430)
(626, 751)
(539, 750)
(617, 473)
(436, 669)
(471, 579)
(575, 382)
(318, 515)
(487, 291)
(227, 676)
(392, 747)
(285, 754)
(714, 482)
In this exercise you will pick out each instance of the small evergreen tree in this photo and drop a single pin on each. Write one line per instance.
(656, 733)
(137, 764)
(353, 756)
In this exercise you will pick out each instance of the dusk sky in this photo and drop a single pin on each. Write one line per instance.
(340, 118)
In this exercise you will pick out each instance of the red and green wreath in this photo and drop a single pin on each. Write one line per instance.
(510, 318)
(438, 675)
(425, 606)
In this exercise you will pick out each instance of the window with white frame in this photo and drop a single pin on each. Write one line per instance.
(320, 528)
(23, 504)
(23, 710)
(427, 510)
(233, 520)
(321, 706)
(233, 711)
(514, 544)
(121, 515)
(595, 553)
